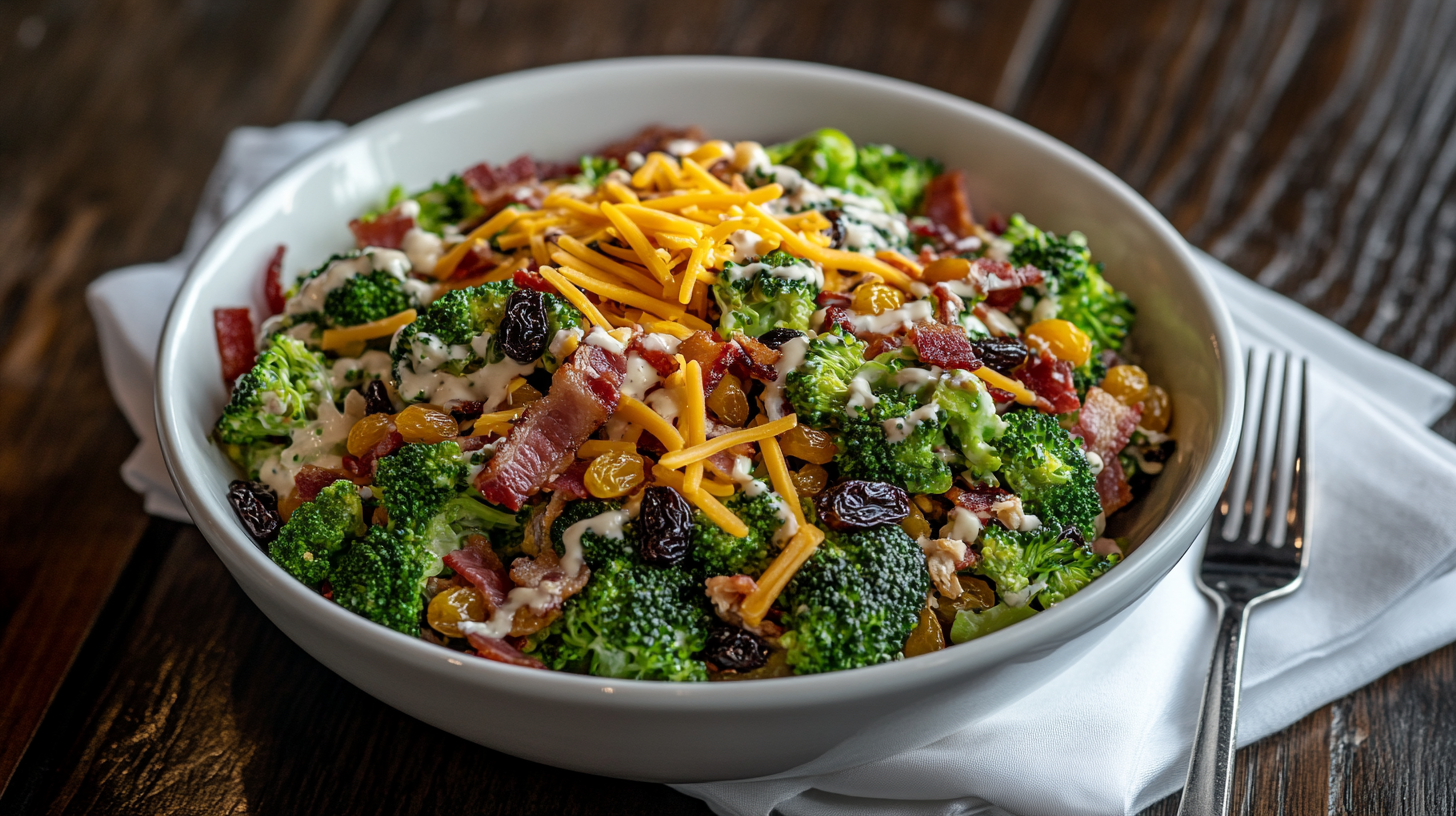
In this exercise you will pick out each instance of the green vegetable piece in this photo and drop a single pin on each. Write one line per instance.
(281, 393)
(971, 625)
(825, 157)
(1040, 565)
(913, 463)
(381, 577)
(819, 388)
(365, 298)
(718, 553)
(1083, 296)
(972, 423)
(1048, 469)
(317, 530)
(766, 300)
(901, 176)
(446, 203)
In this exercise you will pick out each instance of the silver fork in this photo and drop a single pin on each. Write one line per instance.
(1258, 548)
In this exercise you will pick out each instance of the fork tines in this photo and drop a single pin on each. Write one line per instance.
(1260, 519)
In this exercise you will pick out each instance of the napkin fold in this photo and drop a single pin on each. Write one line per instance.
(1111, 732)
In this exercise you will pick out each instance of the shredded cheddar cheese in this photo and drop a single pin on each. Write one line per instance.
(1005, 383)
(679, 458)
(336, 339)
(771, 584)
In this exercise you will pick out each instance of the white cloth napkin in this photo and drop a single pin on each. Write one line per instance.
(1110, 734)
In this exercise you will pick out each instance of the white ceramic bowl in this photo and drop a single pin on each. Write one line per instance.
(695, 732)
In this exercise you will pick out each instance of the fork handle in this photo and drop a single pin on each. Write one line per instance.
(1208, 788)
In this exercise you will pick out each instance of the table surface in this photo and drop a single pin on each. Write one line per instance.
(1309, 143)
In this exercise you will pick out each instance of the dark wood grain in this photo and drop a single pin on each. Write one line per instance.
(1309, 143)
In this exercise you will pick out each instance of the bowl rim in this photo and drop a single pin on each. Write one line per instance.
(1006, 646)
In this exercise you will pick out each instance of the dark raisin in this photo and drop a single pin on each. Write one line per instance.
(1001, 355)
(664, 526)
(730, 649)
(776, 338)
(465, 409)
(523, 327)
(257, 508)
(376, 398)
(855, 504)
(836, 228)
(1073, 533)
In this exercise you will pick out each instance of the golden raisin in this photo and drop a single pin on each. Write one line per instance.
(915, 524)
(1157, 410)
(613, 474)
(877, 298)
(426, 424)
(525, 395)
(809, 444)
(367, 432)
(975, 595)
(1128, 383)
(809, 479)
(1063, 339)
(927, 636)
(449, 608)
(288, 504)
(946, 269)
(729, 401)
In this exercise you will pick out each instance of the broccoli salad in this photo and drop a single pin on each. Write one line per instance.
(691, 410)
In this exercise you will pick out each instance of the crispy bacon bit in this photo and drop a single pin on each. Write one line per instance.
(1002, 282)
(662, 362)
(648, 139)
(273, 282)
(384, 447)
(526, 279)
(543, 572)
(714, 356)
(478, 564)
(584, 394)
(837, 316)
(945, 346)
(756, 360)
(234, 330)
(478, 260)
(469, 444)
(463, 409)
(950, 304)
(878, 344)
(1051, 380)
(555, 170)
(981, 498)
(1105, 426)
(997, 395)
(311, 480)
(502, 652)
(945, 202)
(727, 592)
(572, 480)
(387, 230)
(828, 298)
(495, 187)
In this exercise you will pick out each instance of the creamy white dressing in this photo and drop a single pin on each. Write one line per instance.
(314, 443)
(788, 524)
(635, 160)
(423, 248)
(682, 147)
(745, 245)
(905, 317)
(658, 341)
(898, 429)
(664, 402)
(561, 340)
(1094, 459)
(803, 270)
(314, 291)
(641, 377)
(606, 525)
(742, 472)
(599, 337)
(350, 371)
(915, 379)
(861, 396)
(791, 357)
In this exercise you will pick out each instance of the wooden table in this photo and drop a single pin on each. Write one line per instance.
(1309, 143)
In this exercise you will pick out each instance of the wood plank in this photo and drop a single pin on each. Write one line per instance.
(103, 153)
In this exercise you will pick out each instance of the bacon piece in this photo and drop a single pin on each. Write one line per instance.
(837, 316)
(755, 359)
(478, 564)
(544, 572)
(311, 480)
(1002, 282)
(384, 447)
(234, 330)
(527, 279)
(469, 444)
(572, 480)
(714, 356)
(878, 344)
(463, 409)
(945, 202)
(648, 139)
(662, 362)
(502, 652)
(1051, 380)
(479, 260)
(981, 498)
(555, 170)
(584, 394)
(949, 303)
(273, 282)
(387, 230)
(1105, 426)
(828, 298)
(486, 180)
(945, 346)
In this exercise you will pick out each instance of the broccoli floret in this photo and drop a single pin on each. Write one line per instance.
(819, 388)
(596, 549)
(758, 297)
(1047, 468)
(594, 170)
(382, 578)
(415, 482)
(633, 621)
(1043, 564)
(281, 392)
(1088, 374)
(1083, 296)
(913, 461)
(970, 625)
(903, 177)
(718, 553)
(458, 317)
(447, 203)
(458, 519)
(364, 298)
(392, 200)
(825, 157)
(317, 530)
(854, 601)
(972, 422)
